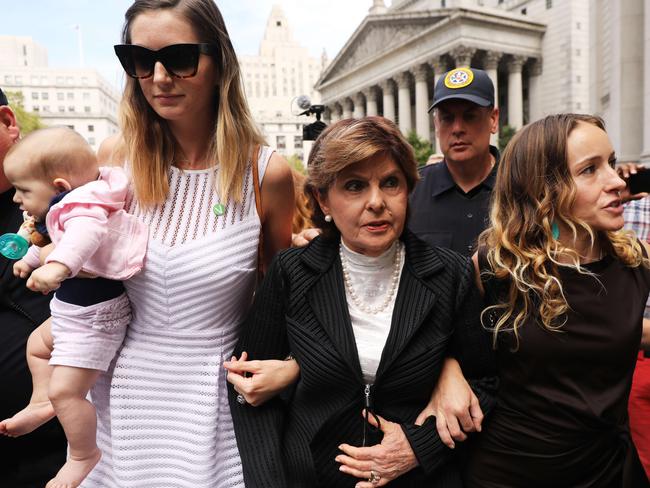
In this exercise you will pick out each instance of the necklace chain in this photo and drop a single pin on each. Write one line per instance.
(397, 264)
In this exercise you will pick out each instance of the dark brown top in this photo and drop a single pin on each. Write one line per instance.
(561, 417)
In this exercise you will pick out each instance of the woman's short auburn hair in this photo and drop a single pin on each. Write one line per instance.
(348, 142)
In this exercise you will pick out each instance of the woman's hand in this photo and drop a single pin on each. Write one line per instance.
(454, 405)
(387, 461)
(304, 237)
(259, 381)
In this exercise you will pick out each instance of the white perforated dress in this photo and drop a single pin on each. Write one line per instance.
(163, 415)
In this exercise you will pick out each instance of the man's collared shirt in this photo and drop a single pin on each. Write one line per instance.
(442, 214)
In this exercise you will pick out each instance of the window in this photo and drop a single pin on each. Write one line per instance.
(34, 96)
(281, 142)
(91, 141)
(86, 96)
(87, 109)
(60, 96)
(549, 4)
(61, 108)
(91, 128)
(578, 78)
(46, 108)
(45, 96)
(59, 80)
(19, 80)
(297, 141)
(35, 108)
(7, 79)
(524, 11)
(69, 80)
(443, 3)
(71, 127)
(578, 25)
(71, 108)
(70, 95)
(278, 23)
(84, 80)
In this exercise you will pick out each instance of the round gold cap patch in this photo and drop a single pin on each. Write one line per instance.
(459, 78)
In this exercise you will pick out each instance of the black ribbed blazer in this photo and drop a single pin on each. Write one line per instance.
(300, 308)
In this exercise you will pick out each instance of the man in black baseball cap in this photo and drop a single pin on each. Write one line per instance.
(449, 207)
(33, 459)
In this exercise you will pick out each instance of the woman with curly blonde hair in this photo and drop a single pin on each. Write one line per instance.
(565, 289)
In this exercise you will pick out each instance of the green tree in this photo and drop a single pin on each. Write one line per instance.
(296, 163)
(27, 121)
(423, 149)
(505, 134)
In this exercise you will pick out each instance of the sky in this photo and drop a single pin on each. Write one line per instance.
(316, 24)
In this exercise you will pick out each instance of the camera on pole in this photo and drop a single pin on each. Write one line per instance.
(310, 132)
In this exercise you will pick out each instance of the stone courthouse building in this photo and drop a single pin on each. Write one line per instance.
(544, 56)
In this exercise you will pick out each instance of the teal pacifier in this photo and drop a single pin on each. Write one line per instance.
(13, 246)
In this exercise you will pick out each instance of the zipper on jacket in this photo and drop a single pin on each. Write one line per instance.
(368, 411)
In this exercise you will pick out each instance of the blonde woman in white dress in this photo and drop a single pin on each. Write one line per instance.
(188, 142)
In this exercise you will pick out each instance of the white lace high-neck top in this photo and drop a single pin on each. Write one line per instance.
(370, 277)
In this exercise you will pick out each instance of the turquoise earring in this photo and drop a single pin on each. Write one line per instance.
(555, 230)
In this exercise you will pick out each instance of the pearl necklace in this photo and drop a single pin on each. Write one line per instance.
(397, 264)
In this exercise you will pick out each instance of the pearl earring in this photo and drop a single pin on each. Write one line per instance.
(328, 218)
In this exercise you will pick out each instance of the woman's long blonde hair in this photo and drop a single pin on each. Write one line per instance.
(533, 189)
(148, 143)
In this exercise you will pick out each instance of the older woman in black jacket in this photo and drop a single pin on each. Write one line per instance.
(369, 313)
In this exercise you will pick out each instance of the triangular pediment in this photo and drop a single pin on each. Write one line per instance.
(378, 35)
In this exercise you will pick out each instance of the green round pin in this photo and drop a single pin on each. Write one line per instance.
(219, 209)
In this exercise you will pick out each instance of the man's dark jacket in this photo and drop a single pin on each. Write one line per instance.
(31, 460)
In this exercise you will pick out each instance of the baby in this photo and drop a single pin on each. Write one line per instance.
(81, 207)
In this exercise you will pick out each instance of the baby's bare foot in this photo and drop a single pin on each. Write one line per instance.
(29, 418)
(74, 471)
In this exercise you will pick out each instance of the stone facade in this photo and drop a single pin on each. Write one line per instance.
(400, 53)
(544, 56)
(78, 98)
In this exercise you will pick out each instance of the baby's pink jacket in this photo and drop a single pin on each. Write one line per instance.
(93, 232)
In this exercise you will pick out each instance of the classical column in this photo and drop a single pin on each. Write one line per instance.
(439, 69)
(387, 87)
(515, 92)
(371, 101)
(463, 56)
(422, 125)
(335, 114)
(347, 108)
(491, 64)
(404, 101)
(359, 106)
(327, 114)
(534, 91)
(645, 148)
